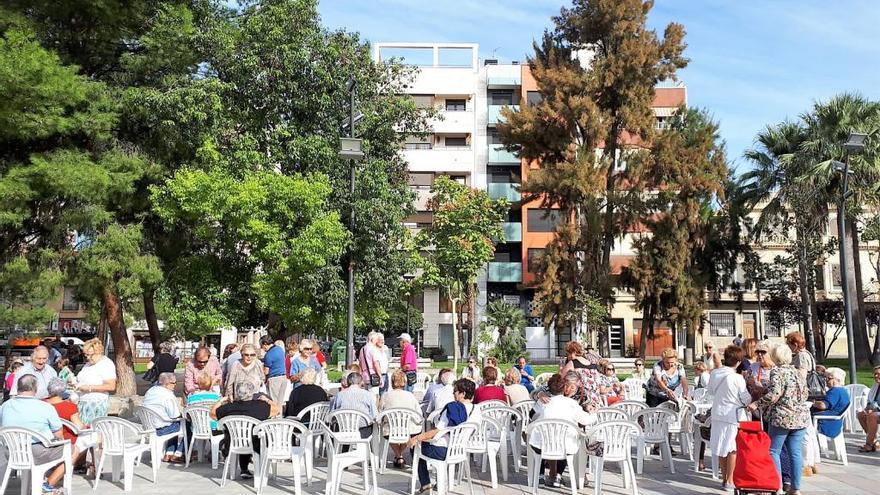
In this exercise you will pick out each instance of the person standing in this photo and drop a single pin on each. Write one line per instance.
(369, 361)
(303, 361)
(38, 367)
(202, 363)
(164, 361)
(409, 362)
(274, 368)
(231, 355)
(95, 382)
(383, 355)
(248, 369)
(788, 414)
(729, 399)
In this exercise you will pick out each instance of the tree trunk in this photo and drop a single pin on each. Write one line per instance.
(608, 222)
(125, 382)
(803, 287)
(647, 320)
(102, 325)
(860, 335)
(472, 313)
(456, 353)
(152, 320)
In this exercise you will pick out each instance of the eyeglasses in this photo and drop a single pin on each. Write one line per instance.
(250, 354)
(760, 352)
(202, 362)
(640, 364)
(609, 369)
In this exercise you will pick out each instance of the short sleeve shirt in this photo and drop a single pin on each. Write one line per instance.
(66, 410)
(30, 413)
(96, 374)
(274, 360)
(43, 377)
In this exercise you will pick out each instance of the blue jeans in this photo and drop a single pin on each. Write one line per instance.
(792, 457)
(384, 384)
(175, 445)
(432, 452)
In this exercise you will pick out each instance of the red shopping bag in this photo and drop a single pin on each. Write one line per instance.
(754, 468)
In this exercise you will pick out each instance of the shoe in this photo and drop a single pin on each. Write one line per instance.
(553, 482)
(815, 469)
(426, 488)
(247, 475)
(47, 488)
(786, 487)
(806, 472)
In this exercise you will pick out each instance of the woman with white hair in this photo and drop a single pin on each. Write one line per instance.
(306, 394)
(305, 360)
(834, 404)
(786, 410)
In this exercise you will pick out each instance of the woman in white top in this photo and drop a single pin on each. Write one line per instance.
(711, 358)
(383, 357)
(95, 382)
(729, 399)
(513, 389)
(472, 371)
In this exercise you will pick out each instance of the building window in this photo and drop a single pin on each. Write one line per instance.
(819, 276)
(836, 279)
(722, 324)
(446, 304)
(661, 123)
(417, 301)
(423, 101)
(456, 105)
(503, 176)
(69, 303)
(455, 142)
(494, 137)
(534, 97)
(535, 256)
(421, 179)
(771, 329)
(543, 219)
(501, 98)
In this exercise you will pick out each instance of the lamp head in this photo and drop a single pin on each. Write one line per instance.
(855, 143)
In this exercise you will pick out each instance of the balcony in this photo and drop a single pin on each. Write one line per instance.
(512, 231)
(508, 191)
(452, 159)
(451, 122)
(503, 76)
(423, 196)
(505, 271)
(497, 154)
(495, 113)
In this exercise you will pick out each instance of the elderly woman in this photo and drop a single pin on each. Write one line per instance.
(801, 358)
(667, 376)
(249, 369)
(399, 398)
(489, 390)
(868, 417)
(729, 397)
(513, 388)
(305, 360)
(95, 382)
(758, 377)
(67, 411)
(471, 371)
(306, 394)
(609, 385)
(710, 357)
(788, 415)
(836, 401)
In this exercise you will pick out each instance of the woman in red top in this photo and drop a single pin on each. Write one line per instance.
(489, 390)
(68, 411)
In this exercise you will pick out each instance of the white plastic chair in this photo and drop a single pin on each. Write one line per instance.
(524, 408)
(838, 443)
(399, 422)
(491, 403)
(858, 399)
(634, 388)
(701, 396)
(507, 419)
(147, 418)
(20, 457)
(123, 441)
(317, 414)
(359, 453)
(199, 416)
(554, 435)
(616, 437)
(277, 445)
(605, 414)
(683, 421)
(542, 379)
(699, 441)
(631, 407)
(422, 381)
(483, 444)
(241, 442)
(77, 432)
(456, 454)
(655, 431)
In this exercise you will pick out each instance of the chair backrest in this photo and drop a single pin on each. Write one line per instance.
(631, 407)
(18, 442)
(634, 388)
(148, 418)
(542, 378)
(553, 433)
(432, 418)
(241, 432)
(348, 420)
(506, 416)
(277, 436)
(616, 437)
(400, 423)
(199, 416)
(701, 395)
(422, 381)
(680, 408)
(686, 417)
(525, 410)
(655, 422)
(605, 414)
(458, 442)
(479, 440)
(317, 414)
(491, 403)
(856, 391)
(117, 433)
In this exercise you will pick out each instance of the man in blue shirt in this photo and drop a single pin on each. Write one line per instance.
(527, 375)
(276, 371)
(26, 411)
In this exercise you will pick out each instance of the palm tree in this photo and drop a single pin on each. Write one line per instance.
(779, 163)
(828, 126)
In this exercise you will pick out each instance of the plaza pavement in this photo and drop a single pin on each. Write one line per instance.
(859, 478)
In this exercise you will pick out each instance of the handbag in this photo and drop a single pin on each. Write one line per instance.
(411, 377)
(375, 379)
(151, 375)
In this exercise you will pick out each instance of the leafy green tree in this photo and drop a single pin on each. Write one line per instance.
(503, 332)
(25, 287)
(596, 72)
(459, 243)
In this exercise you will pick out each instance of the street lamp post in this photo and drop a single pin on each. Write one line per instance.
(350, 149)
(409, 278)
(854, 144)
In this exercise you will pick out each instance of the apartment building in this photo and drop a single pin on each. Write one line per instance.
(469, 94)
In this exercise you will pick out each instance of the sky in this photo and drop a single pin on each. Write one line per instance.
(753, 62)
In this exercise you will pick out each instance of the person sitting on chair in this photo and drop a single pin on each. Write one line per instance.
(244, 404)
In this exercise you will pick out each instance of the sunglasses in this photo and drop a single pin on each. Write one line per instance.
(609, 369)
(760, 352)
(251, 354)
(202, 362)
(639, 364)
(307, 348)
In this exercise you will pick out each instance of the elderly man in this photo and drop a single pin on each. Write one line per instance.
(355, 397)
(370, 360)
(39, 368)
(160, 398)
(443, 395)
(409, 362)
(244, 404)
(201, 363)
(275, 369)
(26, 411)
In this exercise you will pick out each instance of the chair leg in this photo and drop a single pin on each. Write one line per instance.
(573, 478)
(297, 476)
(441, 480)
(503, 454)
(128, 472)
(493, 470)
(226, 463)
(6, 474)
(632, 477)
(640, 456)
(414, 475)
(597, 482)
(99, 470)
(467, 469)
(668, 449)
